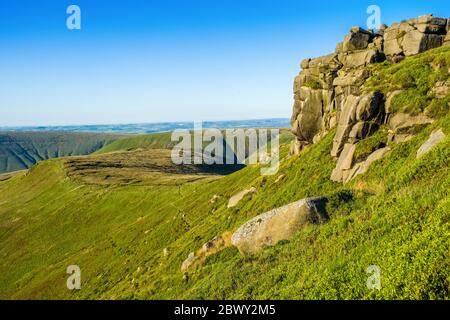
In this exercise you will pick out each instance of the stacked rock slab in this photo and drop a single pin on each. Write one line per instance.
(328, 91)
(414, 36)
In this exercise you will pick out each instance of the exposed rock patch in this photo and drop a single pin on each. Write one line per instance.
(234, 200)
(279, 224)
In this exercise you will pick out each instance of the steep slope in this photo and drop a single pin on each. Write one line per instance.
(21, 150)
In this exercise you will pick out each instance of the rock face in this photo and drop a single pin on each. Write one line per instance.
(328, 90)
(414, 36)
(279, 224)
(435, 138)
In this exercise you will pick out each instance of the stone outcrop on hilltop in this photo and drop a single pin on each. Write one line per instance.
(328, 91)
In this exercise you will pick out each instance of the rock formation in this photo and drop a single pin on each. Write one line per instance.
(328, 91)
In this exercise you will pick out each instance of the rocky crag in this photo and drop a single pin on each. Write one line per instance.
(329, 92)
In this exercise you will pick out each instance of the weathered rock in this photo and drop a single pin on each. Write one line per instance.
(357, 108)
(188, 262)
(360, 58)
(279, 224)
(361, 130)
(313, 104)
(429, 19)
(435, 138)
(296, 147)
(441, 89)
(345, 123)
(370, 106)
(400, 138)
(404, 120)
(351, 78)
(234, 200)
(305, 63)
(430, 28)
(214, 198)
(414, 36)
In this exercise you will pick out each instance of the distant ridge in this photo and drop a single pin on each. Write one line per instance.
(156, 127)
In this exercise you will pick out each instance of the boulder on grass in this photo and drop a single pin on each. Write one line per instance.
(279, 224)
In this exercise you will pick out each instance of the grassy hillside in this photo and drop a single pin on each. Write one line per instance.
(21, 150)
(396, 216)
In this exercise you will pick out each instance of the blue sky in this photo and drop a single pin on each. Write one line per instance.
(142, 61)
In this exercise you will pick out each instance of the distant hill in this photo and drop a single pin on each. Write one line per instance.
(21, 150)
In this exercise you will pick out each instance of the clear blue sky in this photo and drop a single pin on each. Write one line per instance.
(141, 61)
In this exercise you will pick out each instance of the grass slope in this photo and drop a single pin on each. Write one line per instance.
(21, 150)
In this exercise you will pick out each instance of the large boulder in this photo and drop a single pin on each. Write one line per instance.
(415, 42)
(279, 224)
(414, 36)
(360, 58)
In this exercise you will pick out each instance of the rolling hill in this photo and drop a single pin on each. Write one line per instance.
(21, 150)
(131, 220)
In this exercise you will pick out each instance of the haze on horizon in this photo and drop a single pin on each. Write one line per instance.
(167, 61)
